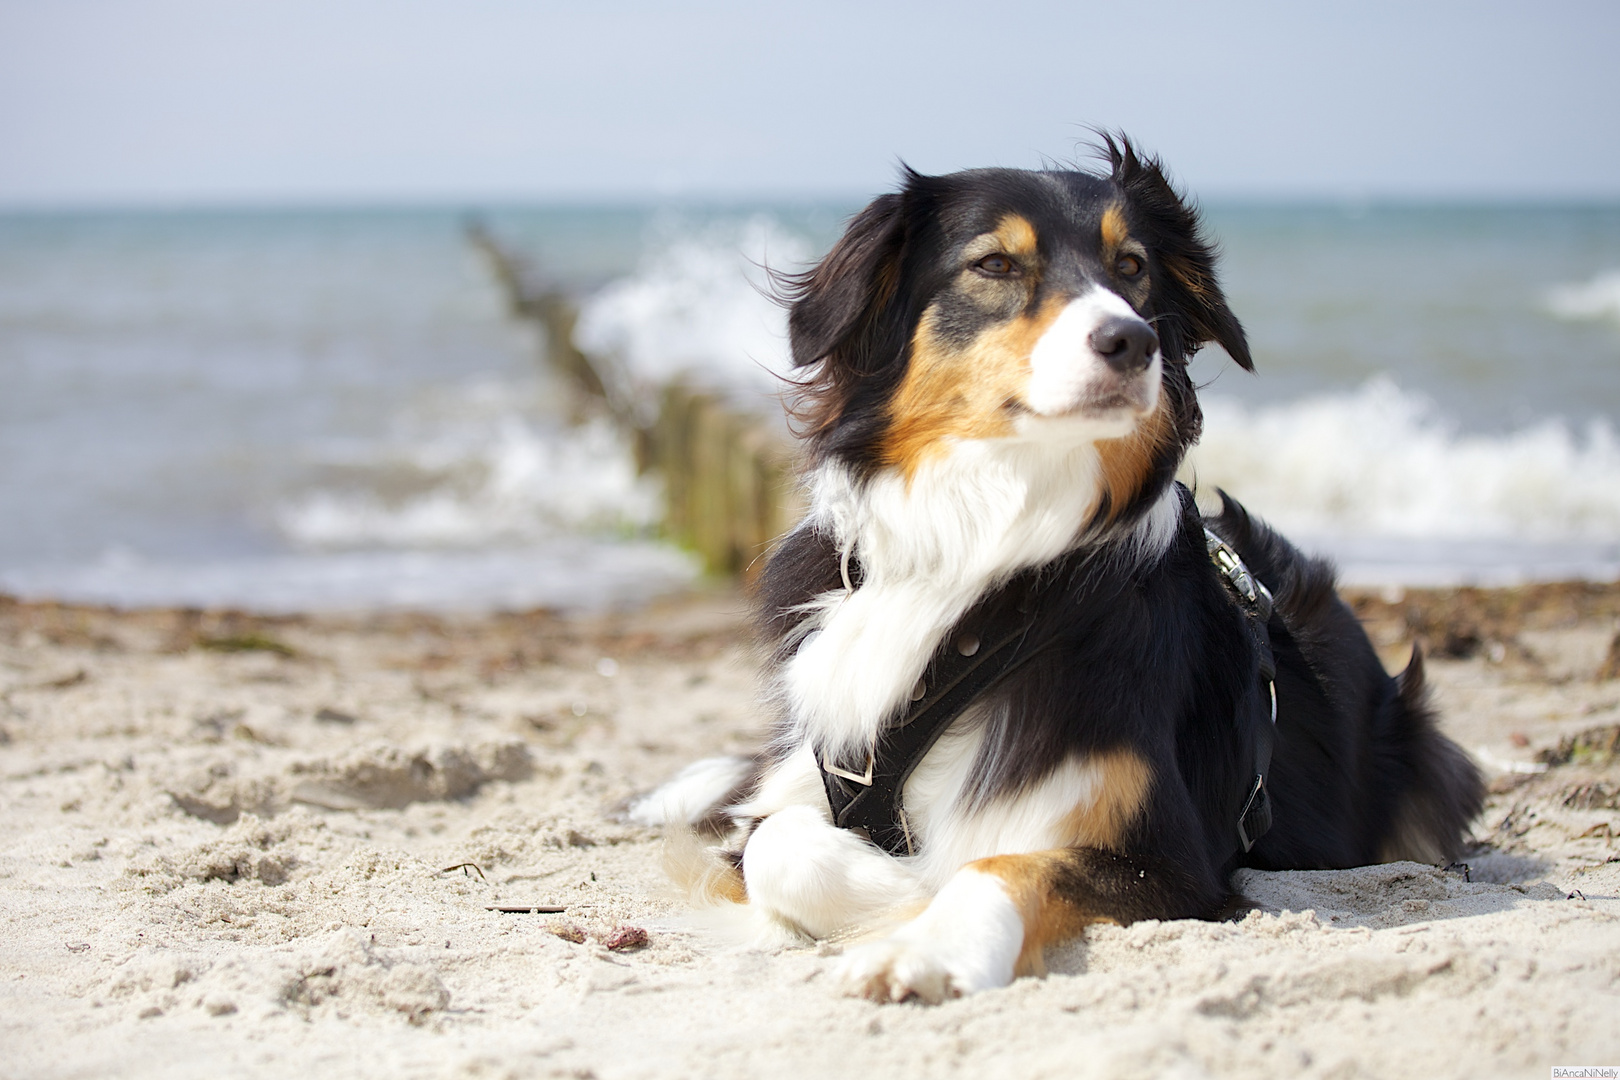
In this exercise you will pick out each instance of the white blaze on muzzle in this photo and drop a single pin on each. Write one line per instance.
(1068, 374)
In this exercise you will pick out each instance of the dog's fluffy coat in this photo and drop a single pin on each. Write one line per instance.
(997, 383)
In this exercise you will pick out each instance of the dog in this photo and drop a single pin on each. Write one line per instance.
(1022, 685)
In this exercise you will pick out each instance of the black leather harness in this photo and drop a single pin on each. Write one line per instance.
(867, 795)
(1254, 818)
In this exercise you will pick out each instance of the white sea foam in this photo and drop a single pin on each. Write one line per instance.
(698, 307)
(1598, 298)
(515, 482)
(1381, 479)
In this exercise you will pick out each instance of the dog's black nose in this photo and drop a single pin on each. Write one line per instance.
(1125, 344)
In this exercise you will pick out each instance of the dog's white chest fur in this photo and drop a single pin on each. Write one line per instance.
(968, 520)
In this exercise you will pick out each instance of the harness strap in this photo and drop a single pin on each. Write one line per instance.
(1260, 700)
(867, 795)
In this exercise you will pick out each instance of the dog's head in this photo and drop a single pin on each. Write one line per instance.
(1001, 303)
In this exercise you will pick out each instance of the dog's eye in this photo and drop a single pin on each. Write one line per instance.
(1128, 265)
(997, 265)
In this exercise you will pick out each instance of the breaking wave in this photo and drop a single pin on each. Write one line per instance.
(1384, 461)
(699, 306)
(1382, 481)
(516, 482)
(1597, 299)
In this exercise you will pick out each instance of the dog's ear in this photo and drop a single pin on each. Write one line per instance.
(838, 297)
(1191, 297)
(837, 324)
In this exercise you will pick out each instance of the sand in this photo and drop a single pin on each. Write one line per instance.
(269, 847)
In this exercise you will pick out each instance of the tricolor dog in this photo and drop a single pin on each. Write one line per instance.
(1022, 685)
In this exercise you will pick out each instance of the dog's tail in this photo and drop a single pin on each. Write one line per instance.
(697, 795)
(691, 807)
(1444, 790)
(706, 875)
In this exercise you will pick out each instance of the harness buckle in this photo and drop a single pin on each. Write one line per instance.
(1232, 567)
(1256, 816)
(865, 780)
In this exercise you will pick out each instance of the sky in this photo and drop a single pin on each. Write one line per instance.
(186, 102)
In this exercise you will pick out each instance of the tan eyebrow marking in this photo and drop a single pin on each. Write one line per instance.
(1013, 235)
(1015, 231)
(1114, 230)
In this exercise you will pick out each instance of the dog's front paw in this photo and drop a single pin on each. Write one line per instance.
(968, 939)
(898, 970)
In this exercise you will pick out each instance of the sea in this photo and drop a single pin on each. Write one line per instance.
(334, 409)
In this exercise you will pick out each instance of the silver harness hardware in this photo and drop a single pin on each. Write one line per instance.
(1228, 562)
(1255, 816)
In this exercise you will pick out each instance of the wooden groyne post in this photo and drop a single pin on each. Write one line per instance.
(728, 472)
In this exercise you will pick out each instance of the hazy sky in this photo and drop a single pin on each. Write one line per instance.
(174, 101)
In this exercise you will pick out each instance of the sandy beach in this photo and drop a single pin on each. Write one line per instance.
(253, 847)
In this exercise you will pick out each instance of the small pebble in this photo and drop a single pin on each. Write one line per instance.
(626, 938)
(568, 932)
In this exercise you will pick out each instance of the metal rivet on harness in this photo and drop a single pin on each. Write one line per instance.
(967, 644)
(919, 690)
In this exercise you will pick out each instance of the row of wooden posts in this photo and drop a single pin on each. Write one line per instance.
(727, 470)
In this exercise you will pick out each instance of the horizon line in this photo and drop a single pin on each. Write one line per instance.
(818, 199)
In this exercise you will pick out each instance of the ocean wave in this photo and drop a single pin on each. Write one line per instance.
(1384, 462)
(518, 481)
(699, 306)
(1596, 299)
